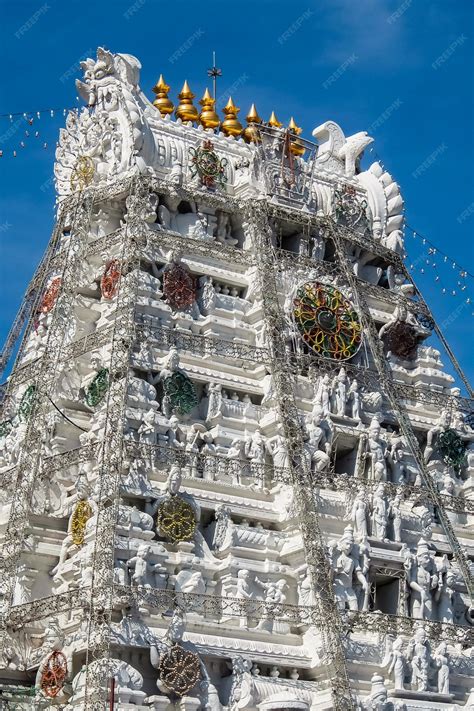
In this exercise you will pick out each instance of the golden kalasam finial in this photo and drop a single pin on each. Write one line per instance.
(251, 132)
(162, 102)
(296, 147)
(208, 116)
(186, 110)
(231, 125)
(273, 121)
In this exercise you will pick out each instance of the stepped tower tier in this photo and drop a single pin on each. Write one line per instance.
(234, 471)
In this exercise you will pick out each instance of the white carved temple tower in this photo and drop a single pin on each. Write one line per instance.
(234, 473)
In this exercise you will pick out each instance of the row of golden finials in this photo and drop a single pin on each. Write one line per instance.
(230, 126)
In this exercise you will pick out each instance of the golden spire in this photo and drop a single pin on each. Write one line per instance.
(162, 102)
(208, 116)
(273, 121)
(251, 132)
(186, 110)
(296, 147)
(293, 127)
(231, 125)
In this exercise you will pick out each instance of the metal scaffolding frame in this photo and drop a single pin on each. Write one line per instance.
(104, 594)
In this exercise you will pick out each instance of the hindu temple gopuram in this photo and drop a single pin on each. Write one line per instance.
(236, 462)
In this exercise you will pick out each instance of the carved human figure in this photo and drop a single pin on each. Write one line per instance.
(274, 594)
(146, 430)
(255, 448)
(243, 592)
(140, 566)
(358, 517)
(234, 456)
(422, 581)
(53, 642)
(396, 516)
(322, 398)
(347, 569)
(317, 246)
(340, 393)
(419, 655)
(377, 451)
(441, 426)
(354, 400)
(318, 447)
(137, 478)
(394, 660)
(441, 659)
(174, 635)
(224, 229)
(83, 494)
(174, 434)
(190, 581)
(279, 452)
(306, 596)
(379, 517)
(395, 458)
(207, 295)
(445, 593)
(214, 408)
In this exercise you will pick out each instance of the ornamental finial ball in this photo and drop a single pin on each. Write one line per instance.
(208, 117)
(231, 125)
(186, 110)
(162, 102)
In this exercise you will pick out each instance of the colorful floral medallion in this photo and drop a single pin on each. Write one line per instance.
(179, 287)
(206, 163)
(176, 519)
(110, 279)
(54, 674)
(180, 393)
(402, 340)
(26, 403)
(452, 448)
(179, 670)
(98, 387)
(327, 321)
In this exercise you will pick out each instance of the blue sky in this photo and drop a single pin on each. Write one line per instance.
(409, 60)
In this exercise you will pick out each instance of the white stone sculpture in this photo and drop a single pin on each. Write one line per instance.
(344, 556)
(377, 452)
(82, 497)
(318, 446)
(358, 517)
(419, 656)
(394, 660)
(441, 659)
(140, 566)
(354, 400)
(340, 392)
(422, 581)
(379, 516)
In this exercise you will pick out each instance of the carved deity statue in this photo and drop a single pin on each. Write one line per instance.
(422, 580)
(318, 442)
(358, 516)
(347, 569)
(419, 656)
(377, 452)
(379, 517)
(340, 392)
